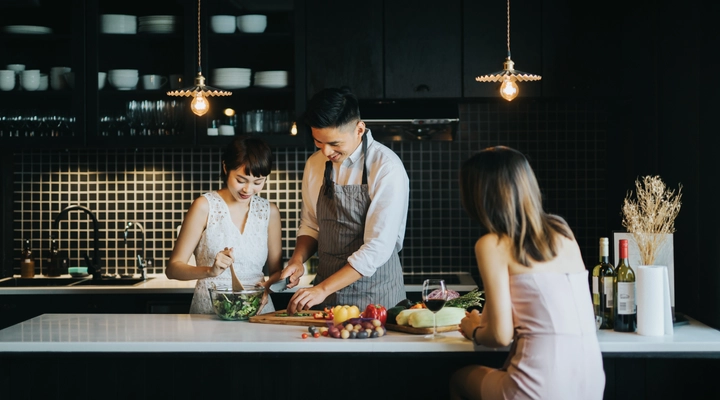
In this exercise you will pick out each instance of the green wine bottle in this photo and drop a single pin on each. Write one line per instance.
(625, 310)
(603, 282)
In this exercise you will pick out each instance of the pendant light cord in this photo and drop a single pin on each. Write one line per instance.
(199, 45)
(508, 28)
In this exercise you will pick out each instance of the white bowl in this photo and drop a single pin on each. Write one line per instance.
(123, 82)
(223, 23)
(252, 23)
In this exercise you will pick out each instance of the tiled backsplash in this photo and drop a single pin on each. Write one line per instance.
(565, 142)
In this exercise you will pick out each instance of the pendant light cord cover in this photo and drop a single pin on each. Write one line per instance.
(509, 72)
(199, 83)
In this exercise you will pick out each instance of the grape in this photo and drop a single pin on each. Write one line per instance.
(345, 334)
(362, 335)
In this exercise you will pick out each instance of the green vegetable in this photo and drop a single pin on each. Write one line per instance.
(393, 313)
(446, 316)
(473, 298)
(235, 307)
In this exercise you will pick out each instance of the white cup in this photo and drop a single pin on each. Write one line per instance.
(223, 23)
(252, 23)
(30, 79)
(7, 80)
(212, 131)
(57, 80)
(153, 82)
(226, 130)
(44, 82)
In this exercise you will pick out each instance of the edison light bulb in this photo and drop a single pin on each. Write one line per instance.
(293, 129)
(509, 89)
(199, 105)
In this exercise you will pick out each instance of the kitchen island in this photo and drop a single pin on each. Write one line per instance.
(158, 352)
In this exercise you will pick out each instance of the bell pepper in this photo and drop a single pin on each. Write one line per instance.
(376, 311)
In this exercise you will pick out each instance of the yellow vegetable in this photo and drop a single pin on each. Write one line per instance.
(402, 317)
(446, 316)
(342, 313)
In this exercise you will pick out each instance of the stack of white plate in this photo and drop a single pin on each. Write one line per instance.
(157, 24)
(271, 79)
(230, 78)
(31, 29)
(118, 23)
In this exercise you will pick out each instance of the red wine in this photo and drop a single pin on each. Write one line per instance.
(434, 305)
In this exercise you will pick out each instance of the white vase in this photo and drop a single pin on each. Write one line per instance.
(652, 296)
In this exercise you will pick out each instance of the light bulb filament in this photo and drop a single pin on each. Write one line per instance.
(509, 89)
(199, 105)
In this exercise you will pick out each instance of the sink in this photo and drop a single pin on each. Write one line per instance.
(38, 282)
(110, 282)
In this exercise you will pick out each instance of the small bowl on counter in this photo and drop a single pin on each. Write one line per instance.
(233, 305)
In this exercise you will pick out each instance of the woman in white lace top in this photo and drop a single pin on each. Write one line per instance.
(231, 226)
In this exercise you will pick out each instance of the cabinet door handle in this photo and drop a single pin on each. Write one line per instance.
(422, 88)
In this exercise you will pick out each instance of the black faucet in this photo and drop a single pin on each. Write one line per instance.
(139, 256)
(93, 265)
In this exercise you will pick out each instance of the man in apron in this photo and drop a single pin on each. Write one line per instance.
(354, 210)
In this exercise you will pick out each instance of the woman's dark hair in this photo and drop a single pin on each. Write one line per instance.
(332, 108)
(251, 152)
(499, 190)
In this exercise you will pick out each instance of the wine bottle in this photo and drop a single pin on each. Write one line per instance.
(625, 310)
(27, 263)
(603, 282)
(54, 261)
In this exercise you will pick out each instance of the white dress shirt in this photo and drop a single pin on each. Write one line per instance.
(388, 187)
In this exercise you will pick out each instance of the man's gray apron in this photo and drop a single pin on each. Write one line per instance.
(341, 212)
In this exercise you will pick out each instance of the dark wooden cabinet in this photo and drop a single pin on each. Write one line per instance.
(385, 49)
(345, 46)
(41, 41)
(423, 49)
(88, 115)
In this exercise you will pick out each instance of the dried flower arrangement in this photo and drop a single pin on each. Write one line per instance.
(651, 216)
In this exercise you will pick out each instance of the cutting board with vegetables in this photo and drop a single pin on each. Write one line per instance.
(281, 317)
(420, 331)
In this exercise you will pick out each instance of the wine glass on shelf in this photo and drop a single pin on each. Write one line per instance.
(434, 295)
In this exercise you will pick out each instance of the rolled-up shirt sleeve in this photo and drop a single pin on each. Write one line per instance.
(388, 186)
(311, 183)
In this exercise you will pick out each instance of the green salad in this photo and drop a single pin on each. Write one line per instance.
(234, 307)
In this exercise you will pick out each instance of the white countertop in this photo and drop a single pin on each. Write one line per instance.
(206, 333)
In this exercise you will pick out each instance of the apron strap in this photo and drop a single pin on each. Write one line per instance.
(328, 181)
(364, 176)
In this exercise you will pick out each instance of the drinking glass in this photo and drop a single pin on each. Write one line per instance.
(434, 295)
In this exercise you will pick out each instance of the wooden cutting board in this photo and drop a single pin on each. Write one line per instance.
(420, 331)
(272, 318)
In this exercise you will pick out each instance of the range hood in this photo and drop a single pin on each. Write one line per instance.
(409, 120)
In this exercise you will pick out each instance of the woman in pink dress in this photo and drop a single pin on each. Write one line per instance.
(536, 290)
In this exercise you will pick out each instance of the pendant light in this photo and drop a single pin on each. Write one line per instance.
(200, 92)
(509, 75)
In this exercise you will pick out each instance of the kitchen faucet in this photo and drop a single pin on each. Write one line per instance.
(139, 256)
(94, 265)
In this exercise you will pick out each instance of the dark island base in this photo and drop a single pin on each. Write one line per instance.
(310, 376)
